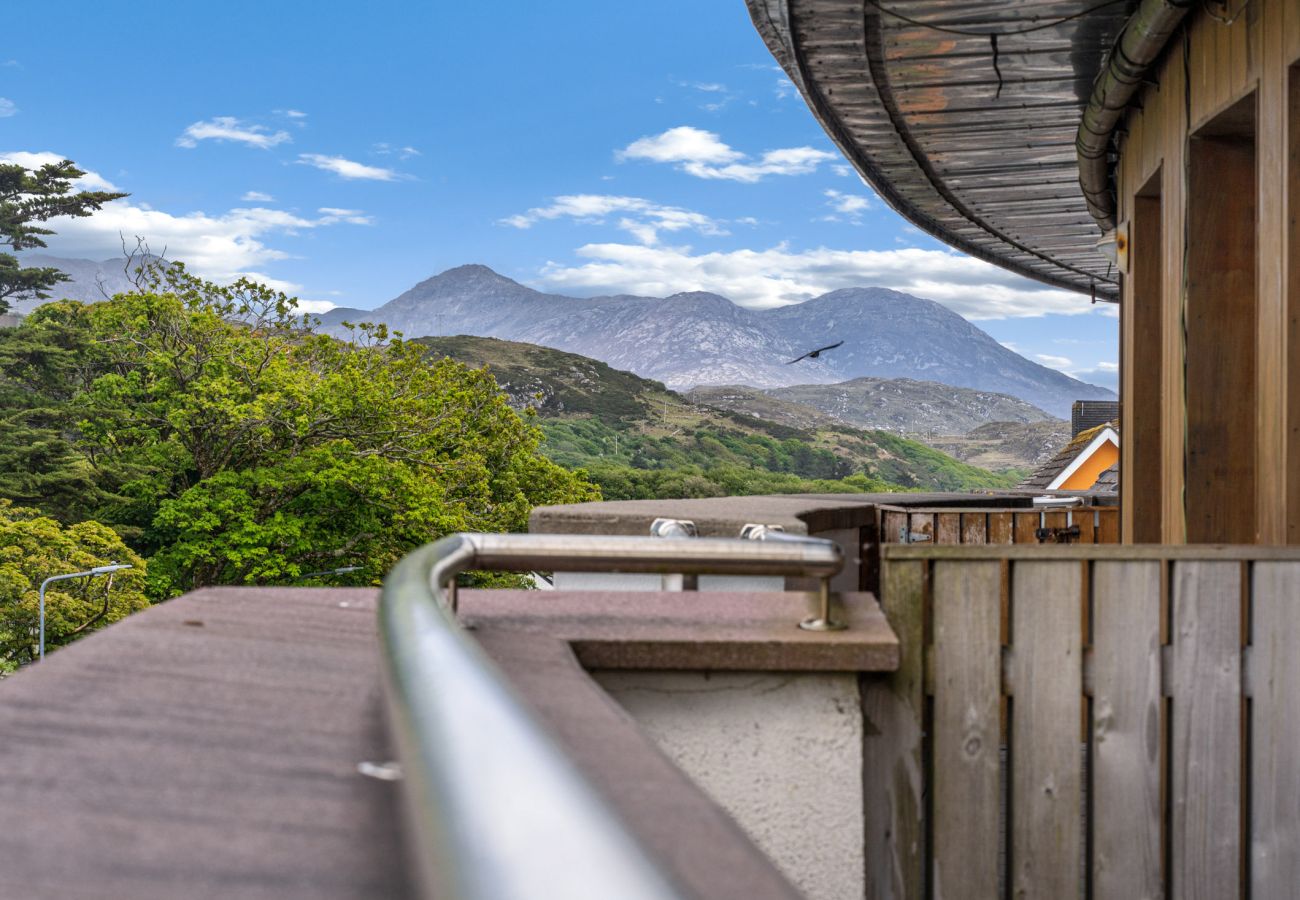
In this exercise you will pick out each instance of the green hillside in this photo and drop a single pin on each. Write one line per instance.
(638, 439)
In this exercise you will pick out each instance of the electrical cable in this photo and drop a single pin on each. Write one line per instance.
(965, 32)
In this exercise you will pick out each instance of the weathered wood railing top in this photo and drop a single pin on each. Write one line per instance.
(1087, 721)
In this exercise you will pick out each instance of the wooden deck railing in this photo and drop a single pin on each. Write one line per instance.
(1087, 721)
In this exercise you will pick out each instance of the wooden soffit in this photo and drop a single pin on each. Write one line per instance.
(971, 137)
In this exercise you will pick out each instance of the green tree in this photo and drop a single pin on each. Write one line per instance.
(30, 196)
(231, 444)
(34, 547)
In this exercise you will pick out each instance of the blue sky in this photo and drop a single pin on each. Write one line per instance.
(346, 151)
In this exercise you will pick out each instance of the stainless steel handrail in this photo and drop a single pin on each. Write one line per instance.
(496, 808)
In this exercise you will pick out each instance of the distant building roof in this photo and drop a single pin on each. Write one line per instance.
(1108, 481)
(1087, 414)
(1057, 470)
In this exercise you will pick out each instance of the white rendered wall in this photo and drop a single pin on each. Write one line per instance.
(781, 752)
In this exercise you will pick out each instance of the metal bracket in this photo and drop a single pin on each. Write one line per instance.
(823, 621)
(676, 529)
(1057, 535)
(907, 536)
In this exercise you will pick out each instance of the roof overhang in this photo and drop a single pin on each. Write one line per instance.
(962, 116)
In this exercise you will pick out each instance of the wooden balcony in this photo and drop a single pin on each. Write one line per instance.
(1063, 720)
(1075, 721)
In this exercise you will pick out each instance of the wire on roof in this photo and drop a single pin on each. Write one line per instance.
(966, 32)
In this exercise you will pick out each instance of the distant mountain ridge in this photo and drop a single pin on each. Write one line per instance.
(693, 338)
(700, 338)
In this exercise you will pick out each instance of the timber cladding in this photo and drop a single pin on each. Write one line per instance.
(1210, 318)
(1075, 722)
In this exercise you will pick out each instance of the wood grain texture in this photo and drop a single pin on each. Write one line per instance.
(893, 776)
(1000, 528)
(1141, 481)
(947, 528)
(967, 727)
(974, 528)
(1026, 525)
(1046, 776)
(1205, 737)
(1275, 741)
(1126, 752)
(1259, 38)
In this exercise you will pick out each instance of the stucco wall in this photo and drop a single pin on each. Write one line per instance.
(781, 752)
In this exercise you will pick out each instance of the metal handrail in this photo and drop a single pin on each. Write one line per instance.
(496, 808)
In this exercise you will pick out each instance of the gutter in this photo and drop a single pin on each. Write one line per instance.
(1143, 39)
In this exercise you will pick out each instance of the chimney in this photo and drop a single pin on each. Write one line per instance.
(1091, 413)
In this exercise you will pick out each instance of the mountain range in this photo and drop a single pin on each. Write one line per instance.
(696, 338)
(699, 338)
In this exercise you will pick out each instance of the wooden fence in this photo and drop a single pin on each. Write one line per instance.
(1087, 721)
(999, 525)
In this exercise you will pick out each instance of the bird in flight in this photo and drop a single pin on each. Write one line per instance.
(813, 354)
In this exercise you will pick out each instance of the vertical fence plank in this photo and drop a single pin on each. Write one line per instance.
(1205, 744)
(893, 524)
(1126, 708)
(1026, 525)
(1046, 779)
(893, 709)
(947, 528)
(1108, 525)
(1000, 527)
(1275, 743)
(1083, 517)
(922, 525)
(967, 725)
(974, 528)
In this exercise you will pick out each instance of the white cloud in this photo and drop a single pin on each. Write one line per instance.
(229, 128)
(1056, 362)
(850, 206)
(7, 108)
(91, 181)
(642, 218)
(292, 113)
(257, 197)
(1108, 366)
(702, 154)
(842, 170)
(785, 88)
(347, 168)
(779, 275)
(332, 214)
(221, 247)
(315, 307)
(402, 152)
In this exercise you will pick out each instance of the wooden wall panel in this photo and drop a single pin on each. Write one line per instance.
(1140, 444)
(1046, 779)
(1127, 754)
(967, 725)
(1221, 335)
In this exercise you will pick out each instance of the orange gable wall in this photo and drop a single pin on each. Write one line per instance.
(1085, 476)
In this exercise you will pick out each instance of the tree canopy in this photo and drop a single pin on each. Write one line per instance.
(230, 444)
(28, 197)
(32, 548)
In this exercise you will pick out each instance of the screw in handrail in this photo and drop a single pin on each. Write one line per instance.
(823, 621)
(675, 529)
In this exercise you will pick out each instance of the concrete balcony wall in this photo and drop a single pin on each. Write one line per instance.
(780, 751)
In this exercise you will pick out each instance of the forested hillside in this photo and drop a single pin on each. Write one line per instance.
(638, 439)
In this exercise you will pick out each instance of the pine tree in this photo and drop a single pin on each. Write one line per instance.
(30, 196)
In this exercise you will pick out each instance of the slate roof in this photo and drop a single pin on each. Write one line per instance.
(1108, 481)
